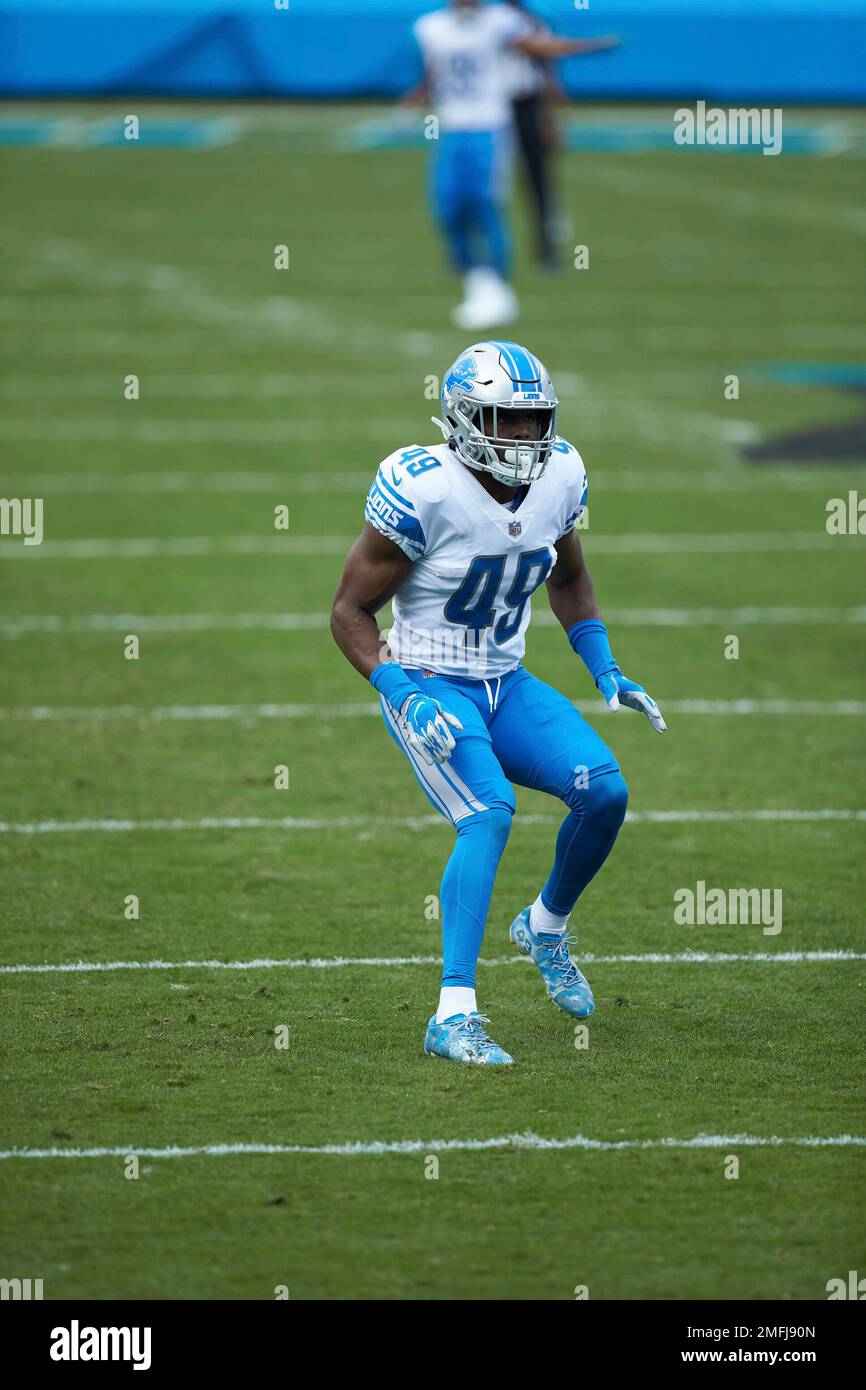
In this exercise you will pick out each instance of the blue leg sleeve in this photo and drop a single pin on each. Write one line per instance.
(497, 236)
(542, 742)
(492, 178)
(467, 885)
(586, 837)
(451, 199)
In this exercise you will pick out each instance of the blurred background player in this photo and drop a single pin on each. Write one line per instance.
(462, 48)
(534, 88)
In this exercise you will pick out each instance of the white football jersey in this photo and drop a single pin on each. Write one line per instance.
(463, 54)
(464, 607)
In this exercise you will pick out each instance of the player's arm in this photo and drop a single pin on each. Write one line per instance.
(572, 599)
(555, 46)
(375, 569)
(572, 596)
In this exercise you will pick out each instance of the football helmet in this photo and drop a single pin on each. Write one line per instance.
(488, 379)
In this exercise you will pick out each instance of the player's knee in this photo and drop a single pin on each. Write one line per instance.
(493, 823)
(608, 800)
(604, 799)
(500, 820)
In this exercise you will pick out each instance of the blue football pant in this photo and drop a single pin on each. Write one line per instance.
(469, 177)
(515, 729)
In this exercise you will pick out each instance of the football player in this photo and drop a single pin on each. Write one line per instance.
(463, 48)
(459, 535)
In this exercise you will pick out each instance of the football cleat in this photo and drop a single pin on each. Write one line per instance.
(462, 1039)
(488, 302)
(567, 987)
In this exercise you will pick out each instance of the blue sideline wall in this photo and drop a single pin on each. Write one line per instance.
(721, 50)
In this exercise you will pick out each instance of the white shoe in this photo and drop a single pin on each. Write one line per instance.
(476, 289)
(487, 301)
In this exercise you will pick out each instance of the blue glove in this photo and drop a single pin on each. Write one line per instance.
(424, 720)
(589, 639)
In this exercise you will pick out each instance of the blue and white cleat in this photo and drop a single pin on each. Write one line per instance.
(567, 987)
(463, 1039)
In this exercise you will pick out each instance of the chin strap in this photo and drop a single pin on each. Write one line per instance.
(442, 426)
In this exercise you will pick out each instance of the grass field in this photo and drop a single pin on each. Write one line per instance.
(123, 777)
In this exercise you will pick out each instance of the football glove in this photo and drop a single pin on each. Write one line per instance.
(423, 719)
(589, 639)
(618, 690)
(425, 728)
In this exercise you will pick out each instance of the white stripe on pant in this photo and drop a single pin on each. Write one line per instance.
(448, 792)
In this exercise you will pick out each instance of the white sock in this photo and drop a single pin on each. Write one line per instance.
(542, 920)
(455, 999)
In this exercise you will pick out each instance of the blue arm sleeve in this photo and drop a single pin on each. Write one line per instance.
(392, 683)
(589, 639)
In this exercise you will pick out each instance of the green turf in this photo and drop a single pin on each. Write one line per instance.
(160, 263)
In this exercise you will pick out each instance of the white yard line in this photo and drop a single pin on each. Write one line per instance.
(169, 622)
(732, 200)
(238, 320)
(22, 624)
(240, 334)
(305, 431)
(375, 1147)
(37, 485)
(602, 480)
(242, 385)
(82, 967)
(51, 827)
(158, 713)
(646, 543)
(831, 708)
(156, 547)
(239, 385)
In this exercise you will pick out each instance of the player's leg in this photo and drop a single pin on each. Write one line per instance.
(492, 183)
(471, 791)
(528, 121)
(451, 210)
(454, 197)
(490, 300)
(544, 743)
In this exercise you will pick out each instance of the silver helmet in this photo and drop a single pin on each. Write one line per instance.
(487, 379)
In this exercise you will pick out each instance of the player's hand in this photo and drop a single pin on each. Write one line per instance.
(618, 690)
(425, 726)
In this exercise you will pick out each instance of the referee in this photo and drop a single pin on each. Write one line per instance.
(533, 86)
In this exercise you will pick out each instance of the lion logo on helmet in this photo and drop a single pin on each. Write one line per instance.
(463, 373)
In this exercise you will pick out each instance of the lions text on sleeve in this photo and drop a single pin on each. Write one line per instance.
(464, 607)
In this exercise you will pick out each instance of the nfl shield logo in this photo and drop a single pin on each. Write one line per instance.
(514, 528)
